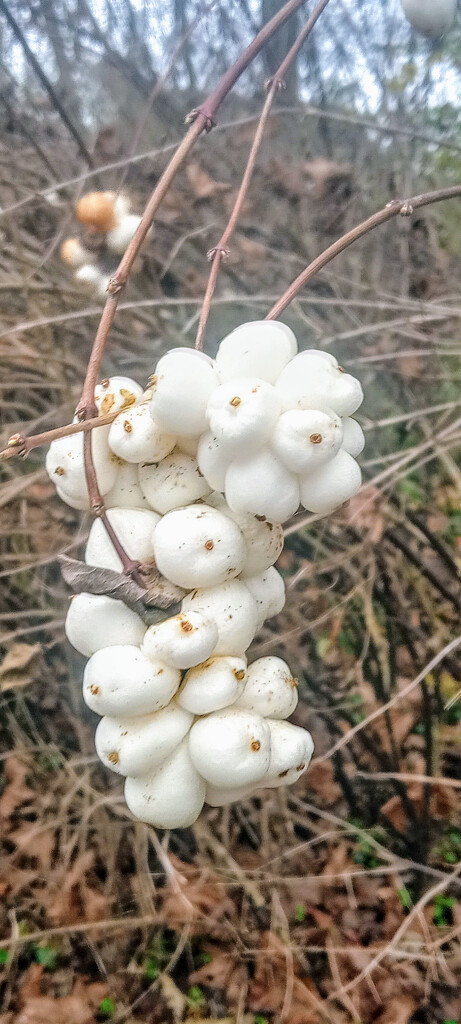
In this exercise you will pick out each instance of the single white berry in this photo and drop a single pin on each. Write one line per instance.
(270, 689)
(312, 382)
(268, 590)
(82, 503)
(263, 538)
(135, 746)
(94, 621)
(261, 485)
(198, 546)
(134, 528)
(260, 348)
(329, 486)
(230, 747)
(66, 467)
(212, 462)
(74, 254)
(120, 681)
(188, 445)
(172, 796)
(353, 437)
(430, 17)
(126, 492)
(234, 611)
(242, 414)
(220, 796)
(135, 437)
(90, 275)
(173, 482)
(213, 685)
(291, 752)
(304, 438)
(181, 387)
(118, 239)
(116, 393)
(183, 640)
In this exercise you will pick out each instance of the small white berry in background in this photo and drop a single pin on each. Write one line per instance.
(94, 621)
(291, 752)
(173, 482)
(75, 255)
(134, 528)
(120, 681)
(135, 746)
(181, 387)
(311, 382)
(172, 796)
(213, 685)
(135, 437)
(126, 492)
(230, 747)
(119, 237)
(430, 17)
(66, 468)
(353, 437)
(198, 546)
(257, 349)
(212, 462)
(234, 611)
(183, 640)
(268, 590)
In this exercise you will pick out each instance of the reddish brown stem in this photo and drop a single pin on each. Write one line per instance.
(20, 445)
(202, 119)
(395, 208)
(98, 508)
(220, 251)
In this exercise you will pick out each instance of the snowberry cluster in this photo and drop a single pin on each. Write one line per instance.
(198, 473)
(110, 226)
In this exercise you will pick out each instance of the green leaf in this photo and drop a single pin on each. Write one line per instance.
(4, 954)
(195, 996)
(205, 958)
(405, 898)
(151, 968)
(300, 912)
(47, 956)
(106, 1008)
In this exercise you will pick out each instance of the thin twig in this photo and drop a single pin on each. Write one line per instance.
(220, 252)
(396, 208)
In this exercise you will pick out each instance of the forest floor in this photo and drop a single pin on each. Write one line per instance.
(337, 901)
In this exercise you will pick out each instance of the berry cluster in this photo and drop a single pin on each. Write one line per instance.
(109, 226)
(198, 473)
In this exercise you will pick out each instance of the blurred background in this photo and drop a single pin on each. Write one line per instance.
(337, 901)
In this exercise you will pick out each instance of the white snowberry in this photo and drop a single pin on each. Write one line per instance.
(230, 747)
(234, 611)
(291, 752)
(329, 486)
(263, 539)
(353, 437)
(94, 621)
(430, 17)
(66, 468)
(135, 746)
(242, 414)
(183, 640)
(220, 796)
(118, 239)
(198, 546)
(188, 445)
(304, 438)
(257, 349)
(181, 387)
(212, 462)
(173, 482)
(268, 590)
(116, 393)
(120, 681)
(261, 485)
(270, 689)
(213, 685)
(310, 381)
(126, 492)
(135, 437)
(134, 528)
(172, 796)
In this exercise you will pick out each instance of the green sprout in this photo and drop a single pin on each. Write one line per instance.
(106, 1009)
(300, 912)
(442, 908)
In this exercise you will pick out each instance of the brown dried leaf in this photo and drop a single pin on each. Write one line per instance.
(204, 187)
(77, 1008)
(76, 899)
(145, 601)
(268, 987)
(17, 668)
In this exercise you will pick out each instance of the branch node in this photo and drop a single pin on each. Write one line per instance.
(115, 286)
(275, 83)
(221, 249)
(407, 209)
(393, 202)
(209, 121)
(17, 441)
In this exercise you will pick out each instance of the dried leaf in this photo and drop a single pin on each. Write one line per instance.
(76, 899)
(17, 668)
(77, 1008)
(173, 997)
(17, 791)
(203, 185)
(149, 602)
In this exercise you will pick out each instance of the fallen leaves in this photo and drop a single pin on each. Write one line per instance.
(20, 666)
(78, 1007)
